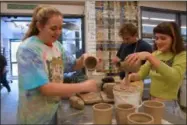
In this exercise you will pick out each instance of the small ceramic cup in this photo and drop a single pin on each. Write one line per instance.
(140, 118)
(90, 63)
(102, 113)
(121, 112)
(154, 108)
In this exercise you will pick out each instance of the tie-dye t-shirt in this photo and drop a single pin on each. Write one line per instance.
(39, 64)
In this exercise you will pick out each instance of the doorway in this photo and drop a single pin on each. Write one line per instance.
(13, 29)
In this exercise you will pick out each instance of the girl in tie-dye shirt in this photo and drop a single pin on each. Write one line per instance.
(41, 64)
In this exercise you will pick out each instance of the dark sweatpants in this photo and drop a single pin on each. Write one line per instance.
(4, 82)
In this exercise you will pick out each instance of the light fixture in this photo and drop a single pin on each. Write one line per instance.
(145, 18)
(161, 19)
(149, 25)
(184, 27)
(157, 19)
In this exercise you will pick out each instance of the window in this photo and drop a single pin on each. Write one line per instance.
(183, 27)
(14, 44)
(72, 39)
(151, 17)
(13, 28)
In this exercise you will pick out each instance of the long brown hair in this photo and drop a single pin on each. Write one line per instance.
(41, 14)
(173, 30)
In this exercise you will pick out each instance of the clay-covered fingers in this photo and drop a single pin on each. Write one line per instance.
(125, 80)
(124, 83)
(132, 59)
(143, 55)
(138, 61)
(132, 77)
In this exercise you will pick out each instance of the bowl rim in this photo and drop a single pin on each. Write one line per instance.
(140, 113)
(150, 106)
(107, 109)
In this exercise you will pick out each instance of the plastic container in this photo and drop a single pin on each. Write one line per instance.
(98, 76)
(122, 96)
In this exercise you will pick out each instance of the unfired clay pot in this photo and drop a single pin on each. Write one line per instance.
(140, 118)
(102, 113)
(109, 90)
(121, 112)
(124, 66)
(154, 108)
(90, 63)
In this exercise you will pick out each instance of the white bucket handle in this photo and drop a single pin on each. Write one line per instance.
(141, 103)
(137, 107)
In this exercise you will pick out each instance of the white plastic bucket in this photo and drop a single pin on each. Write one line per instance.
(122, 96)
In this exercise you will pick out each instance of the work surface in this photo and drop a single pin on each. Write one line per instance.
(68, 115)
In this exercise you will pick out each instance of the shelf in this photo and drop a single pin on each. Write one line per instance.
(147, 35)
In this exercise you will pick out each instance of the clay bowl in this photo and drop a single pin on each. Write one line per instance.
(140, 118)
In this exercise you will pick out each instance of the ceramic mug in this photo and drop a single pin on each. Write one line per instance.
(140, 118)
(102, 113)
(124, 66)
(121, 112)
(90, 63)
(154, 108)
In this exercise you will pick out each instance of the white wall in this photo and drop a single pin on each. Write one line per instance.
(172, 5)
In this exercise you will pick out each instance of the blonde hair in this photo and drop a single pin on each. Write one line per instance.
(41, 14)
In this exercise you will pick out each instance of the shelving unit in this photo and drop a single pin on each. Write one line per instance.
(109, 17)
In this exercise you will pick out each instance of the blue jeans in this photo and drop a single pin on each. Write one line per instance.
(174, 108)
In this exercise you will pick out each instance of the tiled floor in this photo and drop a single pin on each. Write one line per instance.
(9, 103)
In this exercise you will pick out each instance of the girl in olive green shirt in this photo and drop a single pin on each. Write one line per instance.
(166, 66)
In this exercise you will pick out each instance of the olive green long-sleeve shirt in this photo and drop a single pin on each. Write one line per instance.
(165, 80)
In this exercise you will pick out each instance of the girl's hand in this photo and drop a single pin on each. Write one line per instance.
(90, 86)
(135, 58)
(143, 55)
(133, 77)
(115, 60)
